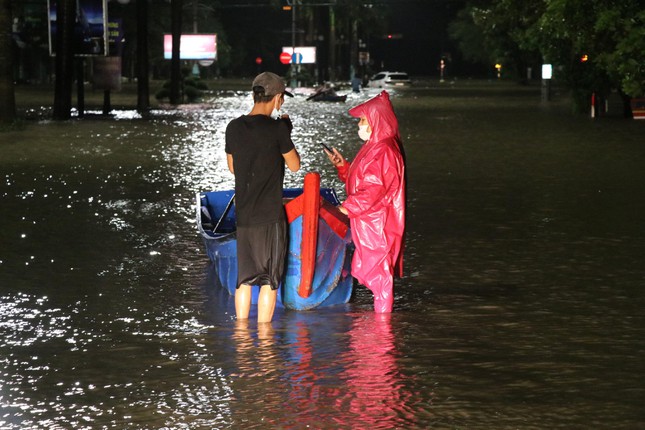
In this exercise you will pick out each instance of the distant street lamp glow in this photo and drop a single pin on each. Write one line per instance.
(547, 71)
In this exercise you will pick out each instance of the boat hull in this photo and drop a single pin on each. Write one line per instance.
(332, 282)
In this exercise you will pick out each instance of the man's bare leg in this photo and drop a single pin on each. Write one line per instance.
(266, 303)
(243, 301)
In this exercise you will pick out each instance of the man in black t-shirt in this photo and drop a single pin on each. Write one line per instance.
(257, 147)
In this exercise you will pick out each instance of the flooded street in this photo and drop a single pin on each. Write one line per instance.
(522, 304)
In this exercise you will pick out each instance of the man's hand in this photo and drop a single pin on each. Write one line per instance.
(286, 119)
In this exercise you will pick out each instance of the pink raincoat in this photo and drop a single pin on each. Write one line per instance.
(375, 185)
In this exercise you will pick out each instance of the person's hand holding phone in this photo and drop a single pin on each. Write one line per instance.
(334, 156)
(285, 117)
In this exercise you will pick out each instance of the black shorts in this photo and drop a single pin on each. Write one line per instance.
(261, 254)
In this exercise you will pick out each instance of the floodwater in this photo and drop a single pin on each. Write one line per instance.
(521, 308)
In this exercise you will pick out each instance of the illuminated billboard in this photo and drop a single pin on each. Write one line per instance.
(192, 47)
(90, 35)
(307, 54)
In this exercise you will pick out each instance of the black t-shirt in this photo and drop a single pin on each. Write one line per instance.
(257, 143)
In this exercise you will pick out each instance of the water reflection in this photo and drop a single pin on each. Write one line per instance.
(378, 395)
(338, 370)
(258, 387)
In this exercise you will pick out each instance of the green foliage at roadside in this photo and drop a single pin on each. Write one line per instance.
(192, 89)
(608, 34)
(499, 31)
(16, 125)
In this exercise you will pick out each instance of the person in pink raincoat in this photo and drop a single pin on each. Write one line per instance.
(375, 204)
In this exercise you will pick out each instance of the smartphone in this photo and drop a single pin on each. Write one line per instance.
(327, 148)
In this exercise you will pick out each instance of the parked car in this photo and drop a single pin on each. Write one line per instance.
(389, 79)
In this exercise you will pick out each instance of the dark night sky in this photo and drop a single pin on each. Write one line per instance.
(422, 25)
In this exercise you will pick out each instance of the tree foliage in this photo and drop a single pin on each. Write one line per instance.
(499, 31)
(609, 32)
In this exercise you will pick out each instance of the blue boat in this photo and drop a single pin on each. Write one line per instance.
(320, 245)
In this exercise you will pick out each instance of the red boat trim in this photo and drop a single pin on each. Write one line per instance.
(335, 219)
(311, 207)
(293, 208)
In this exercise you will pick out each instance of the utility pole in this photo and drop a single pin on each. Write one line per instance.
(332, 44)
(175, 62)
(143, 87)
(294, 70)
(65, 17)
(195, 6)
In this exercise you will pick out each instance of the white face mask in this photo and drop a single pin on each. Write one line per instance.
(275, 113)
(363, 133)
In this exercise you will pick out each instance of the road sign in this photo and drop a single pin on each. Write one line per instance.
(285, 58)
(296, 58)
(307, 54)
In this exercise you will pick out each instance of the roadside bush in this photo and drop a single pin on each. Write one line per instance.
(191, 89)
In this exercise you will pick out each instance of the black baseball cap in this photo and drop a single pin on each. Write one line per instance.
(271, 83)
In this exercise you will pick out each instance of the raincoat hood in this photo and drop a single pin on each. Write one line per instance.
(380, 116)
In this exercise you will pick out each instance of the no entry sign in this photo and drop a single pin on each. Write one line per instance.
(285, 58)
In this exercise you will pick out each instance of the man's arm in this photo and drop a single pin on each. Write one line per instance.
(292, 158)
(229, 160)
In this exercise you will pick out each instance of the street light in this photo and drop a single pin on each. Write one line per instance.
(547, 73)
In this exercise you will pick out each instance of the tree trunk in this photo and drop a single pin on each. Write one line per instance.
(175, 62)
(64, 43)
(143, 89)
(7, 96)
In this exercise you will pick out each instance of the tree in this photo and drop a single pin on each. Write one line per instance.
(7, 97)
(499, 31)
(470, 36)
(350, 21)
(610, 34)
(65, 18)
(143, 90)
